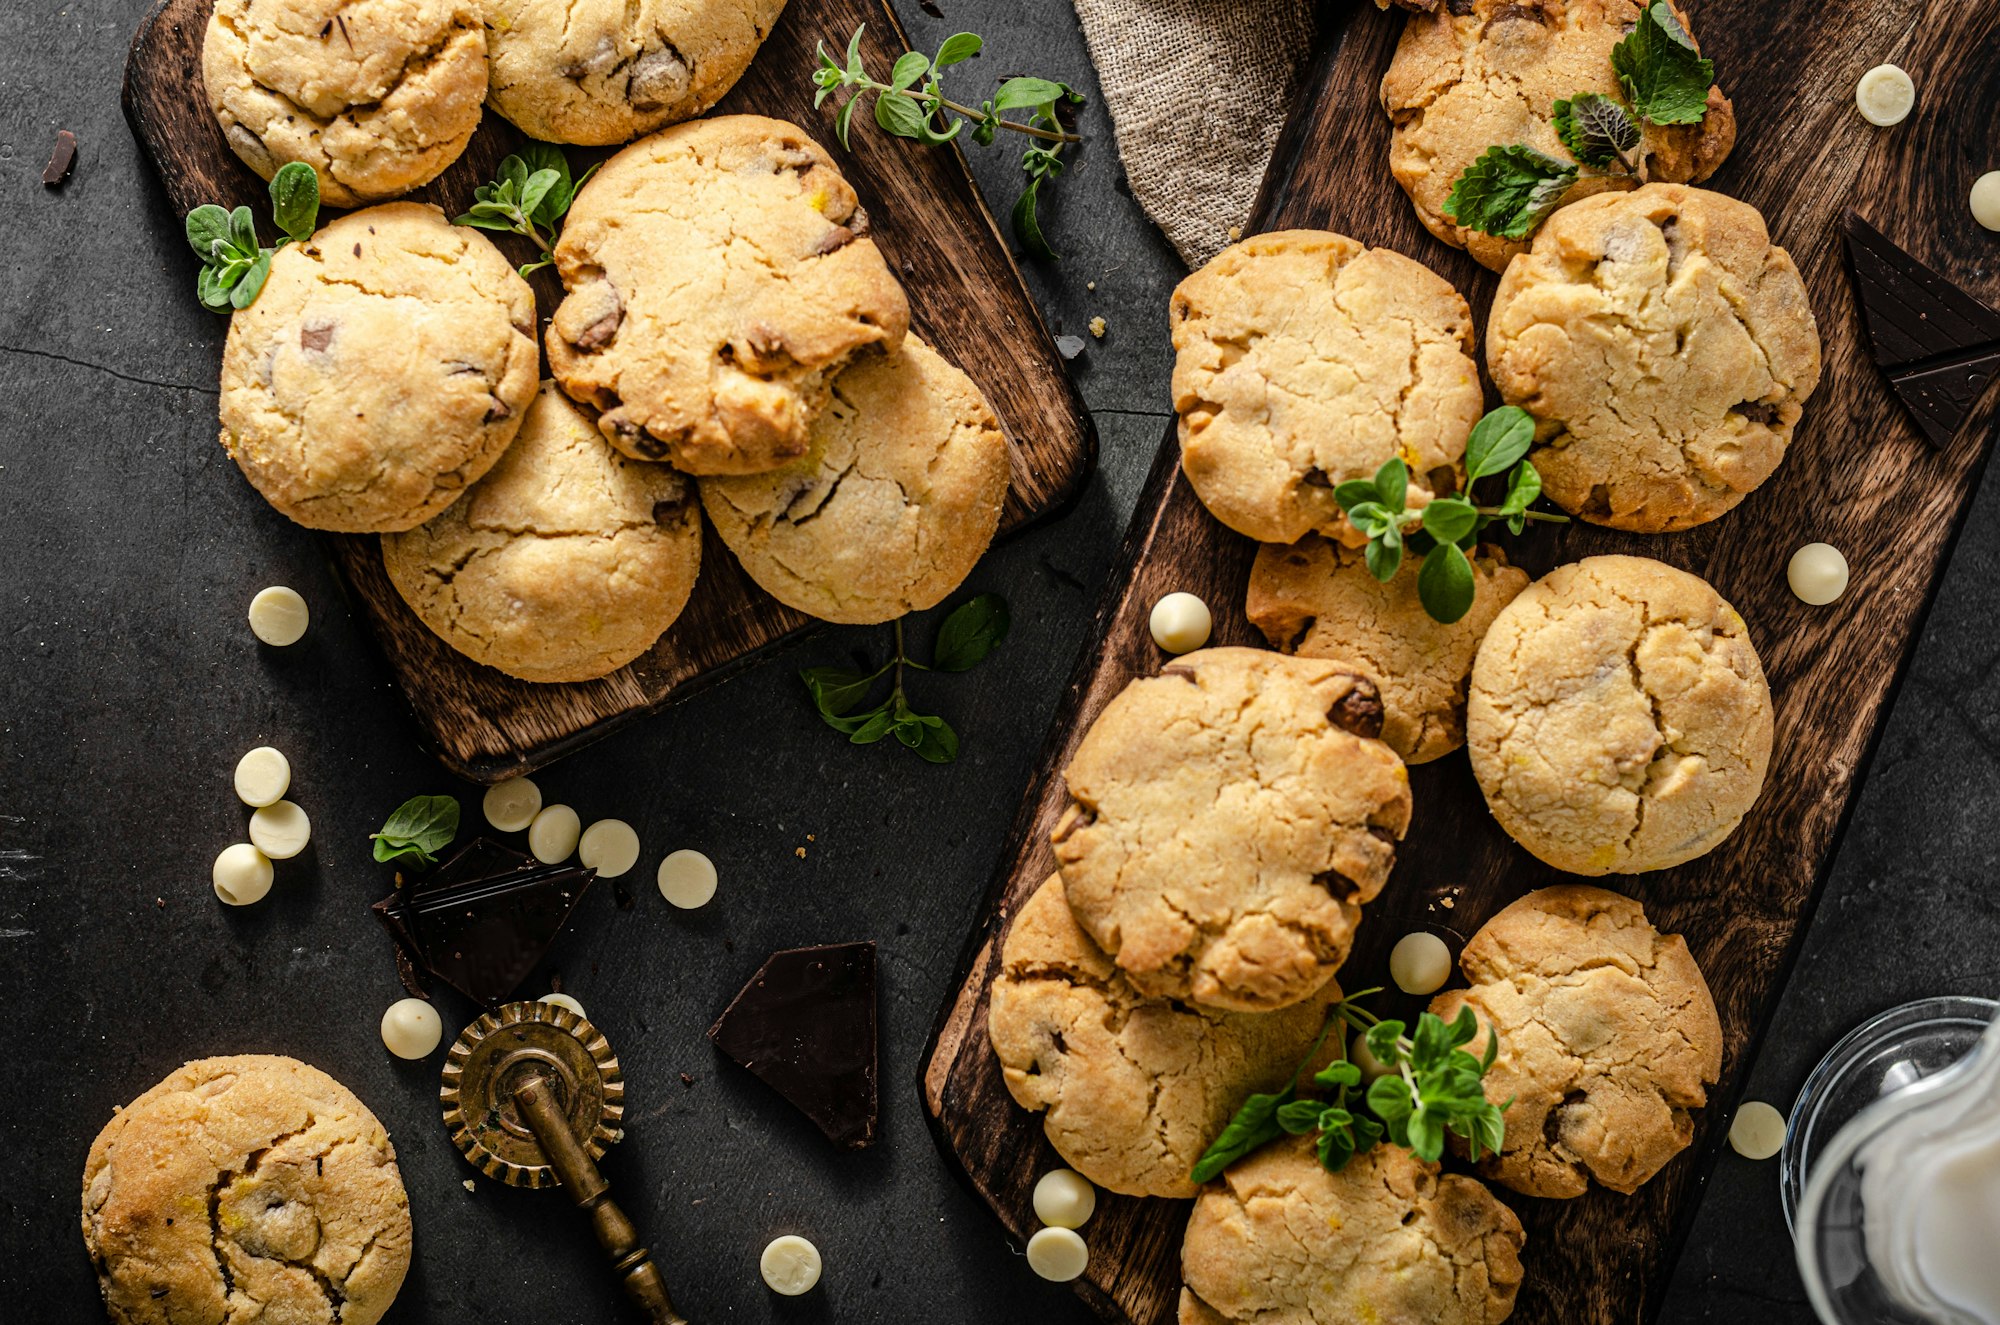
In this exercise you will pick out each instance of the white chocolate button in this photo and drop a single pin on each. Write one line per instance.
(1758, 1131)
(411, 1028)
(1885, 95)
(1986, 200)
(1058, 1254)
(1818, 573)
(608, 846)
(687, 879)
(1064, 1199)
(279, 616)
(790, 1265)
(280, 830)
(242, 875)
(565, 1001)
(1181, 623)
(262, 777)
(512, 805)
(553, 833)
(1357, 1053)
(1420, 963)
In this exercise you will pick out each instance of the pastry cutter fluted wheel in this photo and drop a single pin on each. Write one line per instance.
(532, 1095)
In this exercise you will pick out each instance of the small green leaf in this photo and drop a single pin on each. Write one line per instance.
(1522, 491)
(872, 729)
(1353, 493)
(1028, 225)
(837, 690)
(1444, 583)
(1497, 441)
(1255, 1124)
(243, 232)
(211, 286)
(1384, 1041)
(1340, 1072)
(1666, 79)
(422, 827)
(854, 69)
(1017, 93)
(844, 118)
(900, 116)
(1299, 1116)
(939, 744)
(957, 49)
(1448, 519)
(909, 67)
(1509, 191)
(295, 200)
(208, 231)
(972, 630)
(536, 190)
(1392, 485)
(1596, 129)
(512, 176)
(251, 283)
(1384, 557)
(1389, 1098)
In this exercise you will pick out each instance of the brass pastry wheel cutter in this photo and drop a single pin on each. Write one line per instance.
(533, 1096)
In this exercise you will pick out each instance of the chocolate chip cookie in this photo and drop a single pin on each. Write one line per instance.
(1303, 360)
(246, 1188)
(719, 276)
(1665, 347)
(1230, 817)
(1608, 1039)
(1619, 720)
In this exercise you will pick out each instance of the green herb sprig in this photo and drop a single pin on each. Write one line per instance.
(972, 630)
(1448, 527)
(912, 105)
(234, 265)
(1429, 1090)
(529, 197)
(418, 831)
(1511, 189)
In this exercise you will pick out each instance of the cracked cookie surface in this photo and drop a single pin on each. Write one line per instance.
(1389, 1240)
(1619, 720)
(564, 563)
(719, 276)
(891, 506)
(1317, 599)
(1608, 1038)
(606, 71)
(1230, 817)
(386, 365)
(1665, 347)
(1303, 360)
(377, 96)
(1474, 74)
(1131, 1089)
(246, 1188)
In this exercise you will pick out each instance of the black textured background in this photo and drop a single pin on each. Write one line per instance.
(129, 684)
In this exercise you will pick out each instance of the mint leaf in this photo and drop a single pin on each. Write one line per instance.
(1449, 519)
(1497, 441)
(1255, 1124)
(295, 200)
(208, 231)
(836, 690)
(900, 116)
(1384, 555)
(1021, 93)
(1299, 1116)
(1509, 191)
(909, 67)
(972, 630)
(251, 283)
(1445, 584)
(1028, 224)
(421, 827)
(1666, 79)
(1596, 129)
(958, 48)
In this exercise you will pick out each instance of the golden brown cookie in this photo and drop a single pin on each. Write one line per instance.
(1132, 1089)
(1608, 1038)
(1619, 720)
(377, 96)
(246, 1188)
(1664, 345)
(1388, 1240)
(1475, 74)
(1231, 815)
(719, 276)
(564, 563)
(1303, 360)
(891, 506)
(606, 71)
(1318, 599)
(385, 366)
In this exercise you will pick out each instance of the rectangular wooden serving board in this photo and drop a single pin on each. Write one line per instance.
(966, 298)
(1859, 476)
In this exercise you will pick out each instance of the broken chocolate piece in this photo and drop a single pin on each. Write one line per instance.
(483, 919)
(1939, 346)
(61, 159)
(805, 1024)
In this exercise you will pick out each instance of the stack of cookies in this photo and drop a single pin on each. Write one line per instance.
(731, 338)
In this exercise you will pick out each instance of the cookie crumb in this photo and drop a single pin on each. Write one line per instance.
(1097, 327)
(801, 853)
(61, 160)
(1235, 233)
(471, 1186)
(1090, 285)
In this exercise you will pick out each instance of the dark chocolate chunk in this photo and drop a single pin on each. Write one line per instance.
(805, 1024)
(1939, 346)
(61, 159)
(1940, 398)
(483, 919)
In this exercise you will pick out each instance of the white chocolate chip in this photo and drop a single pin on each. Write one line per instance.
(1420, 963)
(565, 1001)
(262, 777)
(411, 1028)
(608, 846)
(1757, 1131)
(687, 879)
(278, 616)
(1181, 623)
(790, 1265)
(1058, 1254)
(1885, 95)
(1986, 200)
(280, 830)
(1064, 1198)
(553, 833)
(1818, 573)
(1358, 1054)
(242, 875)
(512, 805)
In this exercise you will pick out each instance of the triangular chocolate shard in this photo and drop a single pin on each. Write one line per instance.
(483, 919)
(1913, 313)
(805, 1024)
(1940, 398)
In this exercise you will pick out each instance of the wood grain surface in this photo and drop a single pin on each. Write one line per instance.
(1859, 476)
(966, 298)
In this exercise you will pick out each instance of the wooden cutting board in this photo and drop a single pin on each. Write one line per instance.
(1858, 476)
(966, 298)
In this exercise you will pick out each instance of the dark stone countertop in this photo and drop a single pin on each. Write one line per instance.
(129, 685)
